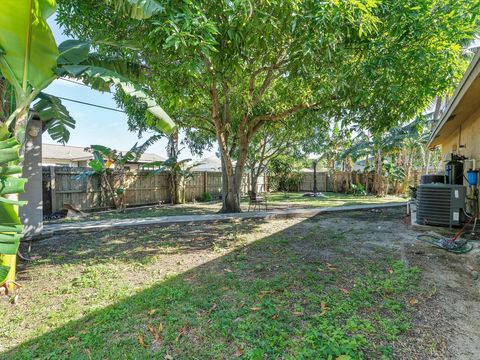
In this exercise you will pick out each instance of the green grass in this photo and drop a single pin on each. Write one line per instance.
(332, 199)
(276, 201)
(278, 289)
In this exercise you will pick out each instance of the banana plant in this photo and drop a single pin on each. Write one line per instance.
(29, 61)
(107, 163)
(179, 171)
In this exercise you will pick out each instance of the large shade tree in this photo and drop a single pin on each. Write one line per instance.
(228, 68)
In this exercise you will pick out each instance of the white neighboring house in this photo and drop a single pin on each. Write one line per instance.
(76, 156)
(209, 164)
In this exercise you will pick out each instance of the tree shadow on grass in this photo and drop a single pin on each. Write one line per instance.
(137, 244)
(275, 298)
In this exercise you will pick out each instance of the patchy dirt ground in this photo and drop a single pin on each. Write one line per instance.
(251, 279)
(447, 323)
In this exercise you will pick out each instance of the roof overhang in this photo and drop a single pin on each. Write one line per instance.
(463, 103)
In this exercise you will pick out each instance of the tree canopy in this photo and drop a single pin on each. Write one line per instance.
(227, 68)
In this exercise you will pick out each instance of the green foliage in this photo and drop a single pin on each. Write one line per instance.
(206, 197)
(29, 61)
(357, 190)
(10, 225)
(137, 9)
(28, 52)
(110, 161)
(55, 116)
(284, 174)
(100, 78)
(229, 68)
(173, 165)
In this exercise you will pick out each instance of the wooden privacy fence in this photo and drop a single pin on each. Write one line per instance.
(61, 186)
(329, 182)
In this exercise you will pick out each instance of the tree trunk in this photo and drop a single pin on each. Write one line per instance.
(231, 184)
(366, 173)
(315, 188)
(111, 190)
(254, 175)
(378, 184)
(175, 179)
(408, 170)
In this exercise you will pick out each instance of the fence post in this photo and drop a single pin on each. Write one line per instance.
(53, 189)
(205, 177)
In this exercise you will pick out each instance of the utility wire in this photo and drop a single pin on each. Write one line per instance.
(89, 104)
(85, 103)
(73, 81)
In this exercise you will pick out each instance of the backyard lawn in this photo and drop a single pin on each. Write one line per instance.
(276, 201)
(336, 286)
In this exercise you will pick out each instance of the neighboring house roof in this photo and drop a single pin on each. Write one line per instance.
(211, 163)
(463, 103)
(78, 153)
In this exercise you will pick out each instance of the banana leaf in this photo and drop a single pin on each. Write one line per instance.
(29, 49)
(10, 225)
(99, 78)
(55, 116)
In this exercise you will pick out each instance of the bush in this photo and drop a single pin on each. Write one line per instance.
(357, 190)
(206, 197)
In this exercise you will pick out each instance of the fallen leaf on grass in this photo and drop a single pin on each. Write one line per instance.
(413, 301)
(345, 291)
(72, 338)
(182, 332)
(324, 308)
(227, 270)
(214, 306)
(255, 308)
(238, 352)
(141, 341)
(331, 267)
(297, 313)
(265, 292)
(154, 332)
(168, 357)
(152, 312)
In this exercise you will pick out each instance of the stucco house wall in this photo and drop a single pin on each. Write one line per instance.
(458, 131)
(465, 139)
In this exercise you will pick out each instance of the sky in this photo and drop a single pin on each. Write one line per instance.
(99, 126)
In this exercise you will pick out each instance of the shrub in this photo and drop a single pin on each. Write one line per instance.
(357, 190)
(206, 197)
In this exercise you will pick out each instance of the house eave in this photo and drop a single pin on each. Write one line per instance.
(471, 74)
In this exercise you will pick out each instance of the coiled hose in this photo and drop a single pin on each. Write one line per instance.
(453, 244)
(460, 246)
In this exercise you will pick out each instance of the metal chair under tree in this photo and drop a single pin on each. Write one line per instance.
(257, 200)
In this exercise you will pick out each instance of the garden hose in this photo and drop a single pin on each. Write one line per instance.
(460, 246)
(453, 244)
